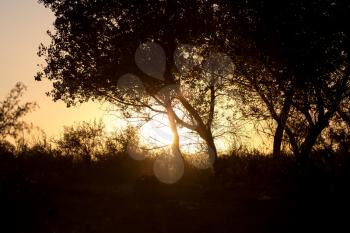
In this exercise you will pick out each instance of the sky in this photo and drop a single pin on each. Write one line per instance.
(23, 26)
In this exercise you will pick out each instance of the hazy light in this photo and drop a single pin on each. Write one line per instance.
(186, 57)
(131, 86)
(150, 58)
(136, 152)
(169, 168)
(157, 133)
(203, 160)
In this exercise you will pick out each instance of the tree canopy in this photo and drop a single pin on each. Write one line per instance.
(286, 62)
(98, 44)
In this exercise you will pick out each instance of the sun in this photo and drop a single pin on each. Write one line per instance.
(155, 140)
(157, 133)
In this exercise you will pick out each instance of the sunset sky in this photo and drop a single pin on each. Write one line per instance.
(23, 25)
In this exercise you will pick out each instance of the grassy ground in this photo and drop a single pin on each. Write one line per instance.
(40, 193)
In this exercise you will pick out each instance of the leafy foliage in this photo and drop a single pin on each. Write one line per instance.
(12, 112)
(83, 140)
(89, 141)
(96, 45)
(290, 59)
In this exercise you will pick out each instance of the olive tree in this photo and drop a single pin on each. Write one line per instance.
(100, 49)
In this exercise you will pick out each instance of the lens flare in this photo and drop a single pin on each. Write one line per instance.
(169, 168)
(135, 152)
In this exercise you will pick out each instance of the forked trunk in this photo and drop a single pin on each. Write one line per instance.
(281, 124)
(211, 146)
(212, 151)
(310, 141)
(277, 141)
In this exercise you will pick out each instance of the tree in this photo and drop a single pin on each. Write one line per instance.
(298, 68)
(97, 45)
(83, 141)
(12, 112)
(336, 138)
(122, 140)
(320, 62)
(287, 68)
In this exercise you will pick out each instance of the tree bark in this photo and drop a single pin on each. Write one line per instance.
(211, 145)
(202, 129)
(281, 124)
(277, 141)
(310, 140)
(207, 136)
(172, 123)
(292, 141)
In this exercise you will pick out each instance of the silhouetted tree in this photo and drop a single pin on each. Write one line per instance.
(83, 141)
(118, 141)
(12, 112)
(95, 43)
(290, 60)
(298, 68)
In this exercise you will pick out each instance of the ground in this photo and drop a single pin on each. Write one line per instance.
(45, 197)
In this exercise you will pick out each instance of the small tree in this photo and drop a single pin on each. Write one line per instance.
(12, 112)
(83, 141)
(121, 139)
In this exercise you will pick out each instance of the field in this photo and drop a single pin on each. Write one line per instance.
(43, 193)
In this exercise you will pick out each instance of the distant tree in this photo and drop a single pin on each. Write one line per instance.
(12, 112)
(120, 140)
(83, 141)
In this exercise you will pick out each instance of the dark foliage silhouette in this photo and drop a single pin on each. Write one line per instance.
(12, 112)
(297, 70)
(208, 66)
(286, 61)
(96, 43)
(47, 192)
(84, 140)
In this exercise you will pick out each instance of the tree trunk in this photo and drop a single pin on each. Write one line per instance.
(203, 130)
(207, 136)
(281, 124)
(293, 142)
(172, 123)
(277, 141)
(214, 156)
(211, 146)
(310, 140)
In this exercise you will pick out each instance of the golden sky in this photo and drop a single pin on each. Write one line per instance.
(23, 26)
